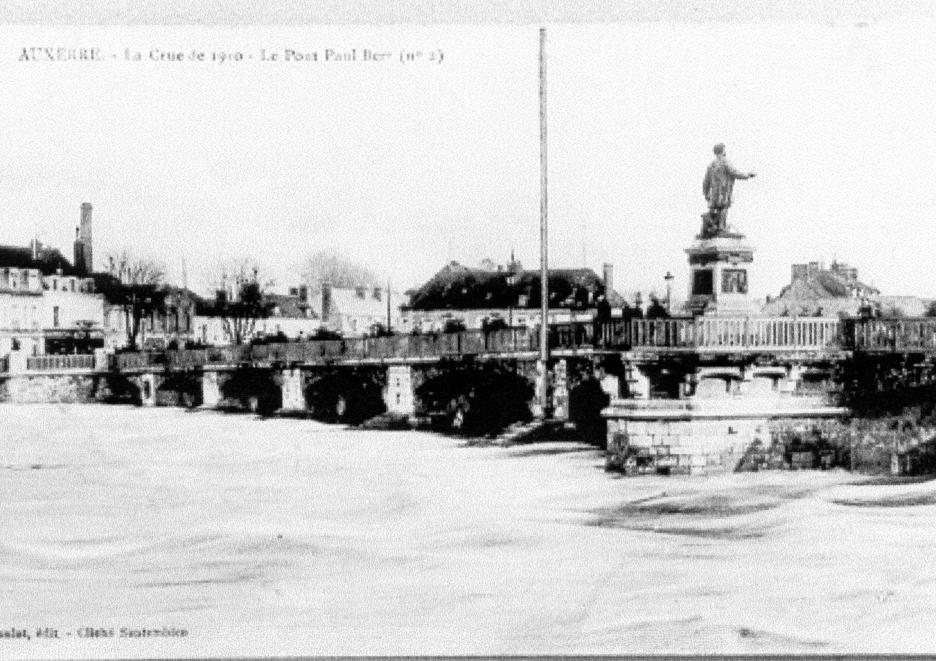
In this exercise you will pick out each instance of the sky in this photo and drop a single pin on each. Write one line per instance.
(405, 167)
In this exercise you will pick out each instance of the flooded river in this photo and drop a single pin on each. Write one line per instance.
(292, 537)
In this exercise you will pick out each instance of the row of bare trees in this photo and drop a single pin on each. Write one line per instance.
(137, 287)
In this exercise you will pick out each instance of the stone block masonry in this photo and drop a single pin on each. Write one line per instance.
(48, 388)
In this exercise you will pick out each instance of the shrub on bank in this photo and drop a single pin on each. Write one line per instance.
(889, 444)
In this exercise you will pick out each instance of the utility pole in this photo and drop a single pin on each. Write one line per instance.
(543, 367)
(389, 329)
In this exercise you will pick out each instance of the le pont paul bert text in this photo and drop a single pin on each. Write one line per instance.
(38, 54)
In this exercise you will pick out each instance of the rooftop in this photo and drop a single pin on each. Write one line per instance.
(465, 288)
(47, 260)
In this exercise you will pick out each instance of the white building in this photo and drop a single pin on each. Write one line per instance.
(48, 304)
(355, 311)
(47, 313)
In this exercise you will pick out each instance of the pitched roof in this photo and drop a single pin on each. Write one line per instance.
(823, 284)
(287, 305)
(463, 288)
(48, 260)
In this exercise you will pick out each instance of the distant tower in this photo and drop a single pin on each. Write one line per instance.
(84, 261)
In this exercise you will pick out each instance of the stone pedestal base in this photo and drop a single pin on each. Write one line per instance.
(718, 282)
(683, 436)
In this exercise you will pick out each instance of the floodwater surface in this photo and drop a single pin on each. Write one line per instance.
(288, 537)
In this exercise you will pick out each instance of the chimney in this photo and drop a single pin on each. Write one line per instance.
(608, 277)
(798, 272)
(85, 261)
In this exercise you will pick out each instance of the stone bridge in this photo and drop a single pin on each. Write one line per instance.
(639, 359)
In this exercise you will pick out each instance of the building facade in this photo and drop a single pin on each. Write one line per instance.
(291, 316)
(174, 325)
(815, 290)
(509, 295)
(358, 311)
(44, 306)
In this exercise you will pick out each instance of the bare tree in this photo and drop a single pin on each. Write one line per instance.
(135, 287)
(240, 299)
(325, 266)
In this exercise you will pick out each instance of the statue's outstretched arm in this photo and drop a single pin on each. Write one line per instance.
(736, 173)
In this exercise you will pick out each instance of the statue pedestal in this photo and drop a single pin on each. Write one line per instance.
(718, 282)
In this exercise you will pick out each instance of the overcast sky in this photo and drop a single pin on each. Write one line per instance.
(406, 167)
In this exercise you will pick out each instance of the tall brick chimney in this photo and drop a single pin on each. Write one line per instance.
(84, 259)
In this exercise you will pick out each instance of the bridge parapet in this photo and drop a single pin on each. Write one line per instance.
(916, 335)
(706, 334)
(789, 336)
(60, 362)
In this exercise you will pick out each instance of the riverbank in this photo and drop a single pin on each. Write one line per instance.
(279, 536)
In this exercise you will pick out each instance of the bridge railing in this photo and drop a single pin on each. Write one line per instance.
(726, 333)
(896, 335)
(668, 333)
(55, 362)
(571, 335)
(703, 334)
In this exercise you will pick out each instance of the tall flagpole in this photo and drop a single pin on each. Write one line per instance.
(544, 267)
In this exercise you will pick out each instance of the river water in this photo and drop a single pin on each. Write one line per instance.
(294, 537)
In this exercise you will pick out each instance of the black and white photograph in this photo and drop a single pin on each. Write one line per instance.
(435, 330)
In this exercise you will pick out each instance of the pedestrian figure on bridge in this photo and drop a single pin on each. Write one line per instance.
(601, 321)
(717, 188)
(656, 310)
(628, 314)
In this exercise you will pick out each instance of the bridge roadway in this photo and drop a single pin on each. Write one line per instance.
(637, 339)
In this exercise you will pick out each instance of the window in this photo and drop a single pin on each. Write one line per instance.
(54, 284)
(55, 317)
(702, 283)
(378, 295)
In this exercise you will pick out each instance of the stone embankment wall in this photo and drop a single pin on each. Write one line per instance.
(896, 445)
(48, 388)
(67, 389)
(679, 446)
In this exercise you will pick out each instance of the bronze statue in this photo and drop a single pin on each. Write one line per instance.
(717, 187)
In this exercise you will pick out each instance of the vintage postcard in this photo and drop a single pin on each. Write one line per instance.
(432, 330)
